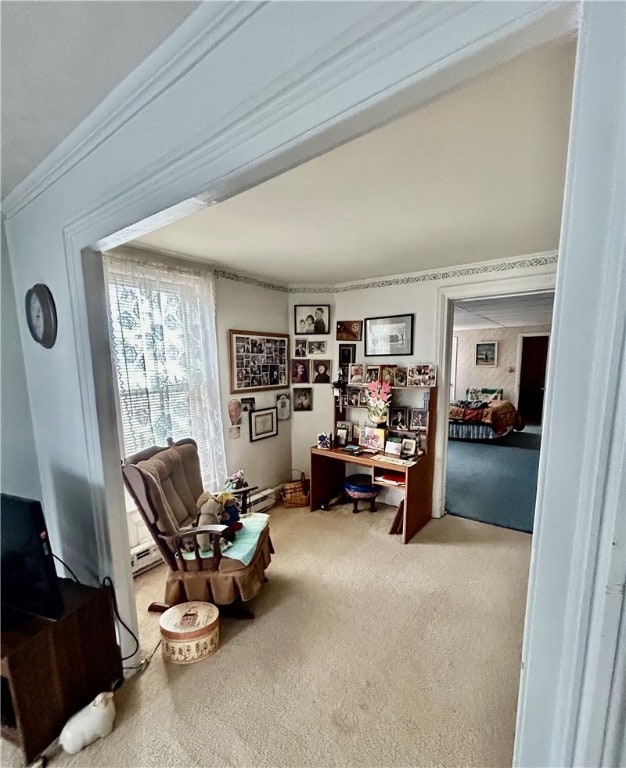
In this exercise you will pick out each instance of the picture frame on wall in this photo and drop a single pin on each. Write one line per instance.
(347, 354)
(486, 355)
(258, 361)
(303, 398)
(311, 319)
(263, 423)
(387, 336)
(349, 330)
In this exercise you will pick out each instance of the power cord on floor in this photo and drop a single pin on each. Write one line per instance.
(107, 582)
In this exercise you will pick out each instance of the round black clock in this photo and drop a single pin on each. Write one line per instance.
(41, 315)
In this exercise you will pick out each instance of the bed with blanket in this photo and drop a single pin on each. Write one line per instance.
(483, 415)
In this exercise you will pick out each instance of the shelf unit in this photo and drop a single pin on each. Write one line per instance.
(328, 471)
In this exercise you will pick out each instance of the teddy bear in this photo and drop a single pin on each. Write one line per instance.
(230, 515)
(211, 512)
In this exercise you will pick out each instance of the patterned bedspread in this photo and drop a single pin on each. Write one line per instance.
(500, 415)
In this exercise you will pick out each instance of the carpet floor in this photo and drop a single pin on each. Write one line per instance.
(494, 481)
(364, 652)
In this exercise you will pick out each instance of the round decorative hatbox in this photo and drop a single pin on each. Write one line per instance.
(190, 632)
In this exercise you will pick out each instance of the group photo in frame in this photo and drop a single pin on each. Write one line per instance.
(486, 354)
(311, 318)
(263, 423)
(386, 336)
(258, 360)
(424, 375)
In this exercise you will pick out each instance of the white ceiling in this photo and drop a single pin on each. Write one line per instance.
(59, 61)
(504, 312)
(477, 175)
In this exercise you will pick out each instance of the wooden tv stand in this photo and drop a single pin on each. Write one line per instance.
(50, 669)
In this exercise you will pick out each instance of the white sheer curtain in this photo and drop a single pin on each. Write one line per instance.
(164, 346)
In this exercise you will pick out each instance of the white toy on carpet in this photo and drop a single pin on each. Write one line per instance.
(95, 721)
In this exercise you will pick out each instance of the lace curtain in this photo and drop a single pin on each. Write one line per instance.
(164, 346)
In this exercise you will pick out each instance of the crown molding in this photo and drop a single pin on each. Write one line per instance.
(201, 32)
(428, 276)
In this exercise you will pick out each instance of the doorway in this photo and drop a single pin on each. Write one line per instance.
(488, 478)
(533, 356)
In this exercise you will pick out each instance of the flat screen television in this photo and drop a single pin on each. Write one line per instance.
(29, 582)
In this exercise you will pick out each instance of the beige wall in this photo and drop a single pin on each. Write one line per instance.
(504, 374)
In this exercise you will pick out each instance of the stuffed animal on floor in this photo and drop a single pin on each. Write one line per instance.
(211, 512)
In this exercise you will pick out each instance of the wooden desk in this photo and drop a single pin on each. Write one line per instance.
(328, 471)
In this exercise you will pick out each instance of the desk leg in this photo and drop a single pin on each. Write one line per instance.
(327, 476)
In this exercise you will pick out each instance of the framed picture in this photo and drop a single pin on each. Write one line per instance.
(311, 318)
(372, 373)
(320, 371)
(258, 360)
(263, 423)
(372, 438)
(388, 374)
(391, 335)
(363, 393)
(353, 397)
(316, 348)
(347, 354)
(300, 348)
(399, 418)
(424, 375)
(347, 427)
(409, 446)
(419, 418)
(303, 399)
(248, 403)
(393, 447)
(399, 376)
(486, 354)
(283, 406)
(356, 373)
(349, 330)
(341, 436)
(300, 372)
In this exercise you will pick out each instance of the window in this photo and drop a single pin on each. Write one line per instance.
(163, 342)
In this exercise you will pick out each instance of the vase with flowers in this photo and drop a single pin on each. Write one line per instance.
(378, 399)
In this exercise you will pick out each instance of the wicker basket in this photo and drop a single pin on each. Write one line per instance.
(296, 493)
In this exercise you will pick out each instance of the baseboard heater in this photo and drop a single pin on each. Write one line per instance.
(144, 556)
(263, 500)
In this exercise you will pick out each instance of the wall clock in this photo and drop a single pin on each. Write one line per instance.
(41, 315)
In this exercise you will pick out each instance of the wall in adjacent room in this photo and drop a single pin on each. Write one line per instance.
(504, 374)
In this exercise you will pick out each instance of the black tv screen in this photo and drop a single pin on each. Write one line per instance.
(29, 580)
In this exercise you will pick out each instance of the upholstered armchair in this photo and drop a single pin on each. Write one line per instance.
(166, 484)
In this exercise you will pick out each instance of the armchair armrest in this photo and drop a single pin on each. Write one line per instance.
(175, 541)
